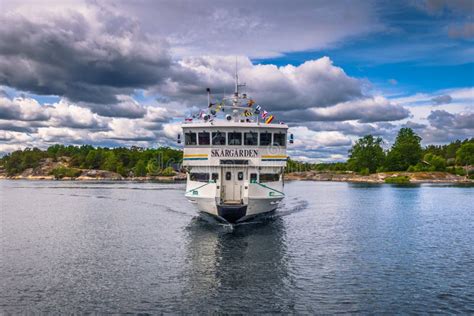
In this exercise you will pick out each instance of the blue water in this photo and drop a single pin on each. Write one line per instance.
(141, 248)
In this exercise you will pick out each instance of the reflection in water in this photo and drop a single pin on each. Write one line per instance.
(242, 263)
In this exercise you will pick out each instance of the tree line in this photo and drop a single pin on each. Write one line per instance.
(406, 154)
(134, 161)
(366, 156)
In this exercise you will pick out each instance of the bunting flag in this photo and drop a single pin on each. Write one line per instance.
(269, 119)
(219, 106)
(211, 112)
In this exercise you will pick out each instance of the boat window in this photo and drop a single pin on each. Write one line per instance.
(265, 139)
(269, 177)
(240, 175)
(234, 138)
(199, 176)
(204, 138)
(251, 139)
(279, 139)
(215, 177)
(253, 177)
(190, 139)
(218, 138)
(228, 175)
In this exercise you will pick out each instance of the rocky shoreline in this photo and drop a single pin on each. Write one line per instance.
(98, 175)
(414, 177)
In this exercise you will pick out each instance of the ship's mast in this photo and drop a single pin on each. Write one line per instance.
(236, 78)
(237, 85)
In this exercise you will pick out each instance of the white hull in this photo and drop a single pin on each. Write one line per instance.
(254, 207)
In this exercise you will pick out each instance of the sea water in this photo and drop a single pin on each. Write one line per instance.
(124, 247)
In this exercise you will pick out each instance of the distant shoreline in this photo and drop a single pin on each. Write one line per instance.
(414, 177)
(380, 177)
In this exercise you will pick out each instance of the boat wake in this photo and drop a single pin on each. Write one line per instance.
(285, 209)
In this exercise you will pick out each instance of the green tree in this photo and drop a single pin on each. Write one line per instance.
(436, 163)
(405, 152)
(465, 154)
(140, 169)
(110, 162)
(367, 153)
(93, 159)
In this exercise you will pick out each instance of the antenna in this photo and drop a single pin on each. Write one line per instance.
(236, 77)
(237, 84)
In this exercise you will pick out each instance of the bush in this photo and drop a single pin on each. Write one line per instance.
(436, 163)
(459, 171)
(168, 172)
(61, 172)
(380, 169)
(398, 180)
(364, 172)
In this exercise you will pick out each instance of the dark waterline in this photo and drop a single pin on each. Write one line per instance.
(141, 248)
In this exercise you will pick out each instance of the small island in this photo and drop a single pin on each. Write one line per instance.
(405, 162)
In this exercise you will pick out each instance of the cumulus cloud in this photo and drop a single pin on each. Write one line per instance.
(414, 125)
(171, 130)
(23, 109)
(127, 130)
(89, 55)
(318, 146)
(69, 115)
(315, 83)
(62, 135)
(125, 107)
(445, 126)
(314, 140)
(374, 109)
(350, 127)
(444, 120)
(442, 99)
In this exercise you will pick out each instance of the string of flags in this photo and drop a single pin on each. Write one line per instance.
(216, 107)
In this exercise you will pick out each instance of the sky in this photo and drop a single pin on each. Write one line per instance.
(127, 73)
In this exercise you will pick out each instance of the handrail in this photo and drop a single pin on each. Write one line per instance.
(267, 187)
(199, 187)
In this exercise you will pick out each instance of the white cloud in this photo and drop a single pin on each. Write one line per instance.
(374, 109)
(64, 114)
(315, 83)
(308, 139)
(172, 130)
(126, 130)
(24, 109)
(62, 134)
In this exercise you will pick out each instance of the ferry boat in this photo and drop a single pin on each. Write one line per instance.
(234, 163)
